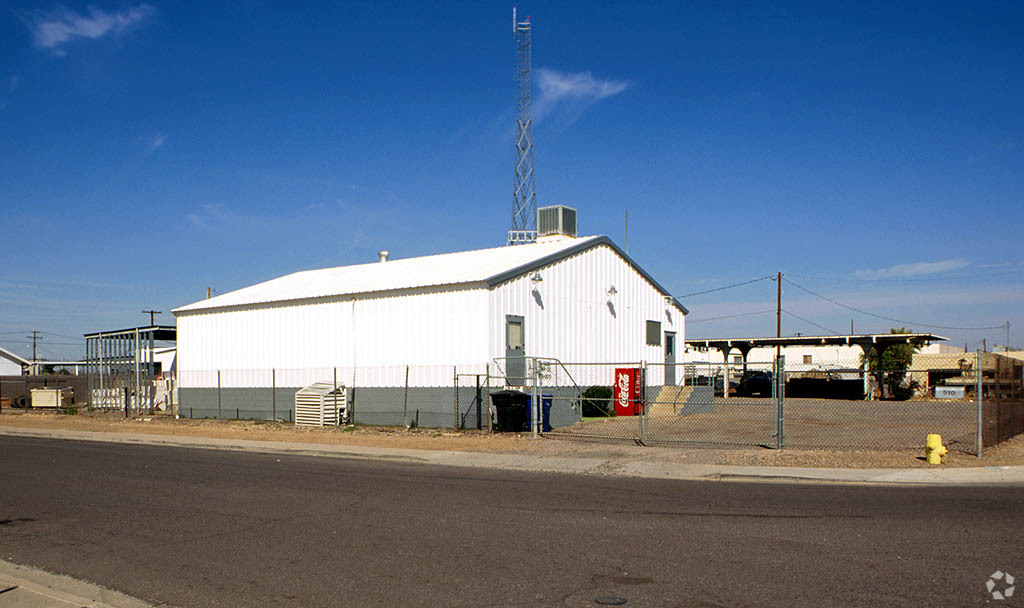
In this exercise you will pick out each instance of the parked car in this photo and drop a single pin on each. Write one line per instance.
(720, 384)
(755, 383)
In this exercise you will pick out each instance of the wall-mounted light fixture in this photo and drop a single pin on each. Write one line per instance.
(536, 278)
(612, 291)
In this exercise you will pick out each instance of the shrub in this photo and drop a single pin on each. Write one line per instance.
(597, 401)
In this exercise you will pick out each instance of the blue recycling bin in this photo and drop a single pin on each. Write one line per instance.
(545, 415)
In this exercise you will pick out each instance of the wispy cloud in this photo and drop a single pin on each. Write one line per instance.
(571, 92)
(915, 269)
(153, 142)
(50, 30)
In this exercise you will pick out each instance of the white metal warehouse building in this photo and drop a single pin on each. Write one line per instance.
(411, 322)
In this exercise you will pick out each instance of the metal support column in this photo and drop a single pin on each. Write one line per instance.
(138, 381)
(979, 388)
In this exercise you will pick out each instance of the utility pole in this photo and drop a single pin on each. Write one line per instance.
(151, 313)
(778, 305)
(1007, 336)
(778, 312)
(35, 337)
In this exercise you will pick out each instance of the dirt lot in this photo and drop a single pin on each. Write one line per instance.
(809, 423)
(1009, 453)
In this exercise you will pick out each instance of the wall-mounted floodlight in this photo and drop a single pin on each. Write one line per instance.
(612, 291)
(536, 278)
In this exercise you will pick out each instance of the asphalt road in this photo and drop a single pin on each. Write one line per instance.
(213, 528)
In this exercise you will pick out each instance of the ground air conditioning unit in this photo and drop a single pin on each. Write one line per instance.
(556, 219)
(52, 397)
(320, 404)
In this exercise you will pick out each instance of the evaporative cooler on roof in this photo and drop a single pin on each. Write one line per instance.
(556, 219)
(320, 404)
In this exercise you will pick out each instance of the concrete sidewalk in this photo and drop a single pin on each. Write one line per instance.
(27, 587)
(617, 461)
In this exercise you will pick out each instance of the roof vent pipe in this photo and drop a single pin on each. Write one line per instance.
(383, 254)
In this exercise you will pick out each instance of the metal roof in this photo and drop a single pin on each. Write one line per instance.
(14, 357)
(482, 267)
(160, 332)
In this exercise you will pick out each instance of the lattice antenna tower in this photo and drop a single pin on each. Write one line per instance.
(524, 193)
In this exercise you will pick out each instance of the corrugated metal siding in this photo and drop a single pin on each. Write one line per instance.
(436, 328)
(570, 318)
(430, 331)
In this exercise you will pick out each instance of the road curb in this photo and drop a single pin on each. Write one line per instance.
(34, 586)
(580, 465)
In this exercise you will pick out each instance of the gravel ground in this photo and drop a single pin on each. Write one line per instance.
(1009, 453)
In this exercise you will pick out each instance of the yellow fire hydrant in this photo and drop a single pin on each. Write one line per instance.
(933, 449)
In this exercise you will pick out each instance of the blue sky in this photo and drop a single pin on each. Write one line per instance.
(872, 152)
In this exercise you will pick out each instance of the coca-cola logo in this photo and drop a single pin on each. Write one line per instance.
(623, 390)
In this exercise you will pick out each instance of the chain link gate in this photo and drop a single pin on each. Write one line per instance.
(715, 404)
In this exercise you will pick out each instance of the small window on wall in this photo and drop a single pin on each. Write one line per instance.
(807, 359)
(515, 334)
(654, 333)
(738, 359)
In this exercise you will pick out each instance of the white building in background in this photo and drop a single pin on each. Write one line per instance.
(11, 364)
(572, 299)
(824, 357)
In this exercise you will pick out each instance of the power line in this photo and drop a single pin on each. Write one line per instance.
(40, 339)
(871, 314)
(50, 333)
(809, 322)
(726, 287)
(47, 333)
(933, 279)
(742, 314)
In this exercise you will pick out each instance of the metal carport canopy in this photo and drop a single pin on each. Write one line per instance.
(865, 341)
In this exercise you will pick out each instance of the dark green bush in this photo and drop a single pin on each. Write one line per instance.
(597, 401)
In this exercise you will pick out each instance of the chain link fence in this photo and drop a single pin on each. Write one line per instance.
(403, 395)
(772, 404)
(891, 405)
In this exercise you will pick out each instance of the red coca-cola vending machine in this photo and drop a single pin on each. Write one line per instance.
(628, 391)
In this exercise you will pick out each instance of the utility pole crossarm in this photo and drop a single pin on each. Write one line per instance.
(35, 337)
(151, 314)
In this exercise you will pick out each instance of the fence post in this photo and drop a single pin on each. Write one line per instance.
(487, 368)
(218, 394)
(479, 422)
(643, 401)
(780, 401)
(535, 406)
(273, 393)
(405, 399)
(455, 398)
(979, 389)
